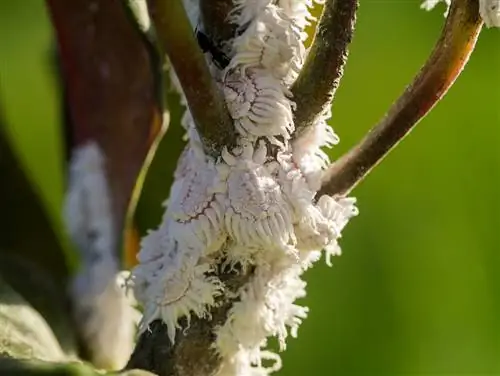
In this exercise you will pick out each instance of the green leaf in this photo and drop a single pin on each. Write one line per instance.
(23, 331)
(15, 367)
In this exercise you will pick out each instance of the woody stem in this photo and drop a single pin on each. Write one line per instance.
(449, 57)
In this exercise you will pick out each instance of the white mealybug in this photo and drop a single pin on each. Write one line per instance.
(270, 42)
(257, 215)
(259, 105)
(171, 278)
(101, 307)
(171, 281)
(194, 210)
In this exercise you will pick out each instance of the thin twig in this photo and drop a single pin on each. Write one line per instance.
(204, 98)
(445, 64)
(315, 87)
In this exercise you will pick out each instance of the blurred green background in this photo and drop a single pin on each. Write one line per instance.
(417, 289)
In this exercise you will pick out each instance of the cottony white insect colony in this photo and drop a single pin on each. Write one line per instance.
(255, 206)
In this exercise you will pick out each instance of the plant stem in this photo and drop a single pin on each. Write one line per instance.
(315, 87)
(445, 64)
(205, 100)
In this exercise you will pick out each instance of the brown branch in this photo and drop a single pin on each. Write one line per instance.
(205, 100)
(445, 64)
(315, 87)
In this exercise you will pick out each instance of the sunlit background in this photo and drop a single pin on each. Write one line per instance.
(417, 289)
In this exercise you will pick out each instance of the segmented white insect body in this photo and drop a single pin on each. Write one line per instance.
(156, 248)
(171, 279)
(195, 207)
(259, 105)
(101, 308)
(314, 224)
(298, 11)
(270, 42)
(257, 216)
(172, 282)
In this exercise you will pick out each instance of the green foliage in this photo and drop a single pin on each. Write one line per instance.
(36, 338)
(23, 332)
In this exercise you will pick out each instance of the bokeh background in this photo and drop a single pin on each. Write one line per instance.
(417, 289)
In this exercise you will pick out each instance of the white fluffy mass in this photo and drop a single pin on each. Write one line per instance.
(255, 206)
(489, 10)
(101, 307)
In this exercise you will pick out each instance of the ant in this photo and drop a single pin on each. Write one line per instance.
(220, 59)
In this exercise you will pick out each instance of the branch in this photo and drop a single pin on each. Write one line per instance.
(315, 87)
(205, 100)
(445, 64)
(312, 92)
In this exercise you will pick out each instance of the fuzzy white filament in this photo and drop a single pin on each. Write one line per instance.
(430, 4)
(101, 308)
(256, 205)
(489, 10)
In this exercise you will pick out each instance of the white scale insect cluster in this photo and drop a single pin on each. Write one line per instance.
(489, 10)
(101, 308)
(255, 206)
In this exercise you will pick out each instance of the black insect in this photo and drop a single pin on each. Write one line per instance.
(220, 58)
